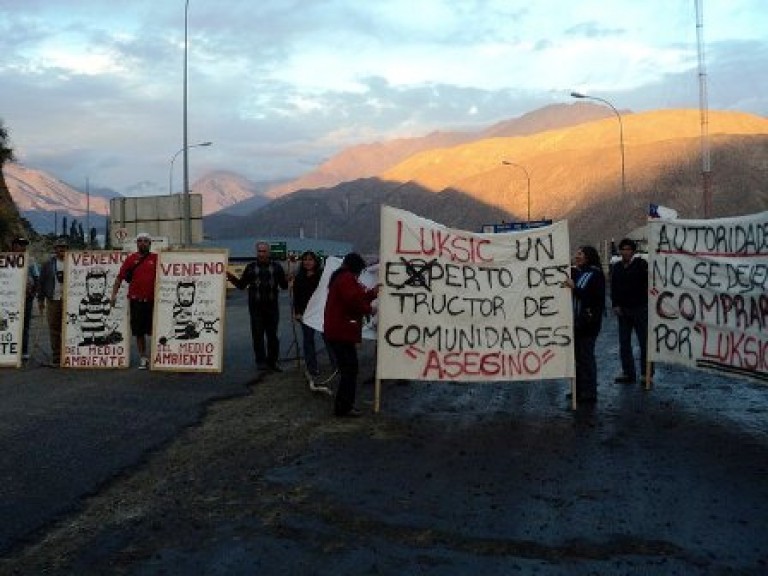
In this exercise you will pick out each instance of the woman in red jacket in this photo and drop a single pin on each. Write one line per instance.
(348, 301)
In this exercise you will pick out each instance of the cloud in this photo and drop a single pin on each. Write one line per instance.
(593, 30)
(93, 89)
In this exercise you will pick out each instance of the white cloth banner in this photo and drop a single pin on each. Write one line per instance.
(315, 311)
(457, 305)
(94, 335)
(188, 326)
(13, 287)
(708, 294)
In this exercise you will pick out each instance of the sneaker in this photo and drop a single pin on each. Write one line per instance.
(25, 357)
(143, 363)
(624, 379)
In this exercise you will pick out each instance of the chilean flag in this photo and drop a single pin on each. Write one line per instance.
(656, 211)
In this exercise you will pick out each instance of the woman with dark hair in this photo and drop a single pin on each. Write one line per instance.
(587, 282)
(304, 285)
(348, 301)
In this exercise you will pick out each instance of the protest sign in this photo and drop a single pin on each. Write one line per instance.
(94, 335)
(708, 294)
(188, 327)
(313, 315)
(13, 285)
(456, 305)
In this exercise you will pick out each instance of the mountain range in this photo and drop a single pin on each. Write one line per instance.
(43, 199)
(563, 161)
(573, 172)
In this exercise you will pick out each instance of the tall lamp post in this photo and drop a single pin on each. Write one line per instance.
(621, 133)
(187, 237)
(528, 179)
(173, 159)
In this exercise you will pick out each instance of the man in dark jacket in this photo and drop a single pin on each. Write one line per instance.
(264, 280)
(51, 296)
(629, 297)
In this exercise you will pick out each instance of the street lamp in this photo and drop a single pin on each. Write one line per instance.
(173, 159)
(621, 133)
(187, 237)
(528, 179)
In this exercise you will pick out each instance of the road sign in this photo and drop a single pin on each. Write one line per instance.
(121, 235)
(278, 250)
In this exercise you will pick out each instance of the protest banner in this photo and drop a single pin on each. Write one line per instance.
(708, 294)
(313, 315)
(188, 325)
(457, 305)
(13, 286)
(94, 335)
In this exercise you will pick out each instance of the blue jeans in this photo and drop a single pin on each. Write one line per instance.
(308, 347)
(632, 319)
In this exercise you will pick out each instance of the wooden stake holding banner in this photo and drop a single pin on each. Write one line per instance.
(94, 335)
(648, 375)
(189, 314)
(574, 400)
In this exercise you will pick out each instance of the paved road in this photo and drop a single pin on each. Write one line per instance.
(63, 433)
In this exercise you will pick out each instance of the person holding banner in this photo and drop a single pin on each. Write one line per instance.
(140, 271)
(348, 301)
(33, 276)
(587, 282)
(51, 295)
(304, 285)
(264, 280)
(629, 298)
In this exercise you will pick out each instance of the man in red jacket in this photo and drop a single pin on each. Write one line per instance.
(139, 270)
(348, 301)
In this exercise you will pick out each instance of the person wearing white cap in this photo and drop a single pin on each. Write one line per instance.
(139, 270)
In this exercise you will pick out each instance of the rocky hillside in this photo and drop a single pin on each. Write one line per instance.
(34, 190)
(370, 160)
(575, 173)
(43, 199)
(223, 190)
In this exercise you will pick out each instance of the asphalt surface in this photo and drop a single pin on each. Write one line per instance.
(64, 433)
(448, 479)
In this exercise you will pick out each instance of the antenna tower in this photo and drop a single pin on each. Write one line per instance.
(706, 168)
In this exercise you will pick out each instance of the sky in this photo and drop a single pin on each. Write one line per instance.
(94, 89)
